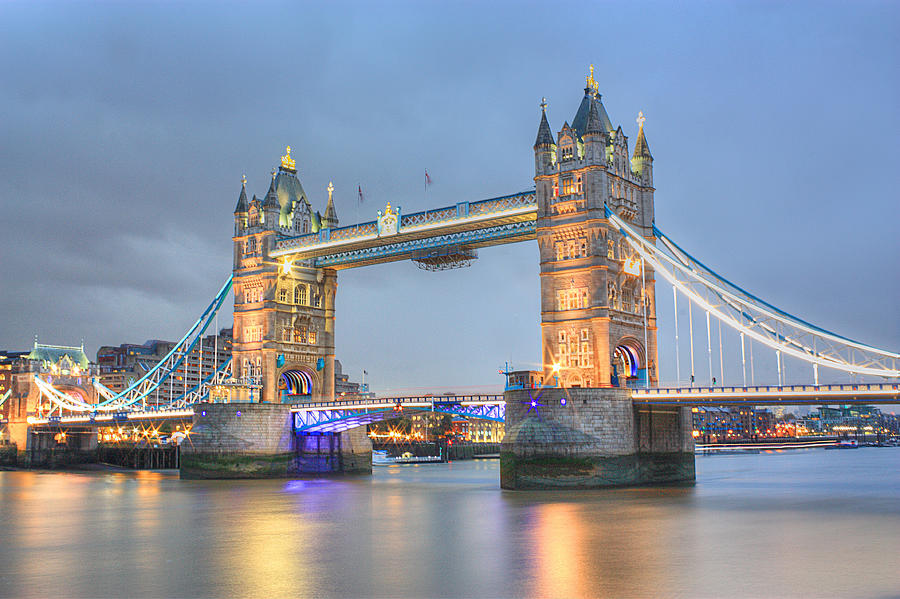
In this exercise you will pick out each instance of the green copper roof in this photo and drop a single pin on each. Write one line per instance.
(54, 354)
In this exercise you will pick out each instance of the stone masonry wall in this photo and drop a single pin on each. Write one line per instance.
(257, 441)
(588, 438)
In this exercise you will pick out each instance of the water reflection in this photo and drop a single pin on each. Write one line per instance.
(813, 523)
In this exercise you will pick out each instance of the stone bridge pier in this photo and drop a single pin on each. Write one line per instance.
(589, 438)
(252, 440)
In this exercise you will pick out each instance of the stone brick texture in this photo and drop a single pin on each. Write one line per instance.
(584, 438)
(257, 441)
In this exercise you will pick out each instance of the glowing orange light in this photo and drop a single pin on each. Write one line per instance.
(632, 266)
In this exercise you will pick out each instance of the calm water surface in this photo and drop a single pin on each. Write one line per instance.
(805, 523)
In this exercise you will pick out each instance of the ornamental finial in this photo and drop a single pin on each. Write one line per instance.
(640, 120)
(591, 82)
(330, 189)
(244, 180)
(286, 160)
(544, 104)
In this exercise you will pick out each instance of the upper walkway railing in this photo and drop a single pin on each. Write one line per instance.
(770, 395)
(463, 216)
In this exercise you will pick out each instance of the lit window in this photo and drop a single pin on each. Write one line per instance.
(583, 248)
(555, 189)
(300, 294)
(610, 249)
(579, 186)
(560, 250)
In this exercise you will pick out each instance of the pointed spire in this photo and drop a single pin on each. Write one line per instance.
(593, 124)
(331, 219)
(544, 136)
(641, 147)
(271, 197)
(242, 199)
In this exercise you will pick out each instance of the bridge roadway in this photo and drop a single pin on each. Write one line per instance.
(340, 415)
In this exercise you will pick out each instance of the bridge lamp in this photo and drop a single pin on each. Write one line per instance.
(286, 266)
(556, 367)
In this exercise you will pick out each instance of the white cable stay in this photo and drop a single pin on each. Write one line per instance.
(163, 369)
(731, 290)
(757, 319)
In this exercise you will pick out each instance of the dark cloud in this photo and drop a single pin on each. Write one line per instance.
(127, 126)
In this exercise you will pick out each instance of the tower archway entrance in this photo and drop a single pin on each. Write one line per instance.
(628, 362)
(295, 384)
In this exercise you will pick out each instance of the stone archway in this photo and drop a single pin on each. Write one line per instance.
(628, 363)
(297, 383)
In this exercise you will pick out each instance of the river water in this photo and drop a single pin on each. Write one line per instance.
(800, 523)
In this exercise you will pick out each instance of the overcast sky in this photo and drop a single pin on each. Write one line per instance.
(125, 128)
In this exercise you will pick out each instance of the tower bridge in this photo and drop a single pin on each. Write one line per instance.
(597, 409)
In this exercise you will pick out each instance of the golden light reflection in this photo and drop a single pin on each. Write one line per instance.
(559, 540)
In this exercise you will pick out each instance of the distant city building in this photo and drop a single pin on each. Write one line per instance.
(7, 360)
(719, 423)
(120, 366)
(850, 421)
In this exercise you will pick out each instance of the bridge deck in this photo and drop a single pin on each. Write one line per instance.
(877, 393)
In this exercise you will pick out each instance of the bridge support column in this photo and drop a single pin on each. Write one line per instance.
(588, 438)
(349, 452)
(42, 450)
(257, 441)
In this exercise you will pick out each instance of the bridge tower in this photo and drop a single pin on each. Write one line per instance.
(283, 311)
(598, 309)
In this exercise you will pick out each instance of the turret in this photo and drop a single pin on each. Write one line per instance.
(594, 137)
(270, 207)
(544, 145)
(240, 211)
(330, 220)
(642, 160)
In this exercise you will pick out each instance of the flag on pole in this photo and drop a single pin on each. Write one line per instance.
(427, 178)
(360, 194)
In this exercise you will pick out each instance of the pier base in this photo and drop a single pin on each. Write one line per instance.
(257, 441)
(589, 438)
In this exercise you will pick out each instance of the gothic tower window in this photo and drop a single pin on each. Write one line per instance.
(562, 348)
(283, 295)
(610, 249)
(560, 250)
(300, 294)
(555, 189)
(579, 185)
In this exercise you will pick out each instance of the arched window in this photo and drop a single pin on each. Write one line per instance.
(258, 366)
(300, 294)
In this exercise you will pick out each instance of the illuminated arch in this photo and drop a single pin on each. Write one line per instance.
(628, 358)
(296, 382)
